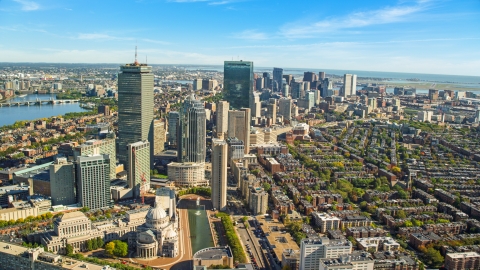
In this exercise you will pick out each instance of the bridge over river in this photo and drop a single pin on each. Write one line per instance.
(38, 102)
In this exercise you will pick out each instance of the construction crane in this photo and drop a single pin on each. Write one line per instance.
(143, 187)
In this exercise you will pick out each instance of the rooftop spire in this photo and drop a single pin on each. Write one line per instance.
(136, 61)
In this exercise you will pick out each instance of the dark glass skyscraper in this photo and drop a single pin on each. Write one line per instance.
(192, 131)
(135, 107)
(277, 79)
(238, 83)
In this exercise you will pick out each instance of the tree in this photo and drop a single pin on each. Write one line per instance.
(100, 242)
(89, 245)
(434, 255)
(121, 248)
(401, 214)
(109, 248)
(266, 186)
(69, 250)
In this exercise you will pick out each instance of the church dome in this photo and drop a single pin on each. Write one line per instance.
(156, 213)
(171, 234)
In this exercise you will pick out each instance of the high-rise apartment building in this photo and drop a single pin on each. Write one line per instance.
(139, 164)
(173, 119)
(99, 147)
(285, 108)
(62, 182)
(277, 79)
(432, 94)
(349, 85)
(238, 83)
(236, 149)
(239, 126)
(158, 143)
(93, 181)
(192, 131)
(222, 117)
(197, 84)
(135, 107)
(272, 109)
(258, 201)
(314, 249)
(219, 174)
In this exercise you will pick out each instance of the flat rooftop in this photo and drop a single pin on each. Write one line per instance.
(213, 253)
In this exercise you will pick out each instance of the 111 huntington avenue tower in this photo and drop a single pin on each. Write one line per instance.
(135, 106)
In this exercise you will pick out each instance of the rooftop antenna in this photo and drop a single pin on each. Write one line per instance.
(136, 62)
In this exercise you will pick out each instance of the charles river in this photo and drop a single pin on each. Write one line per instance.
(9, 115)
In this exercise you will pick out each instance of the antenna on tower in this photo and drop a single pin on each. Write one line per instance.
(136, 62)
(146, 59)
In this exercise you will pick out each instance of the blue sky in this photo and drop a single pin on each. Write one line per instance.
(420, 36)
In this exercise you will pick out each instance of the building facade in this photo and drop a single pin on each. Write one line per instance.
(277, 79)
(93, 181)
(99, 147)
(238, 83)
(62, 182)
(188, 174)
(314, 249)
(219, 174)
(139, 164)
(135, 106)
(192, 131)
(222, 118)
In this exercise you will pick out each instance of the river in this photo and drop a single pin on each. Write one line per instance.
(9, 115)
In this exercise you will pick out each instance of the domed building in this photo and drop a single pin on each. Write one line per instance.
(158, 236)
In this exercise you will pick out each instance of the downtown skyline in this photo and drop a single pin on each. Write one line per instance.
(435, 37)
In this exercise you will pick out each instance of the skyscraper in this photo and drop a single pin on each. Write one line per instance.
(139, 162)
(158, 143)
(239, 126)
(173, 118)
(135, 106)
(272, 109)
(285, 108)
(238, 83)
(192, 131)
(321, 75)
(99, 147)
(309, 76)
(62, 182)
(255, 105)
(219, 174)
(277, 79)
(93, 181)
(349, 85)
(222, 117)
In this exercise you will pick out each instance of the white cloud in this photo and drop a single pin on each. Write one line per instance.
(251, 34)
(94, 36)
(28, 5)
(361, 19)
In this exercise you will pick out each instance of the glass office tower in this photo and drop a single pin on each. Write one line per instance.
(191, 132)
(277, 79)
(135, 107)
(238, 83)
